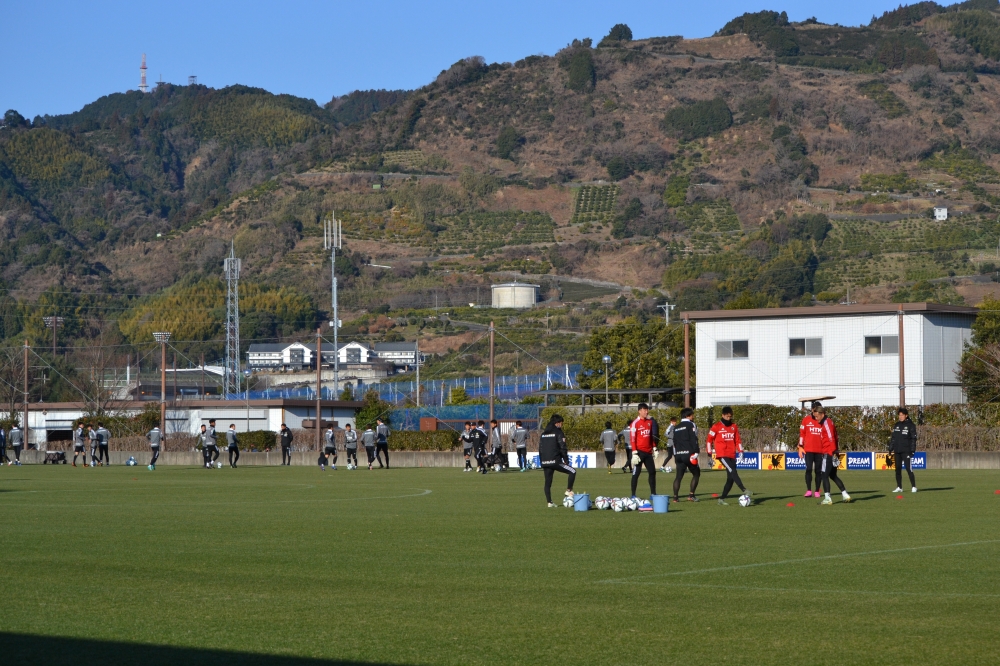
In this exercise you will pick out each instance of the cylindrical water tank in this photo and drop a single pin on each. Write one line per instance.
(516, 295)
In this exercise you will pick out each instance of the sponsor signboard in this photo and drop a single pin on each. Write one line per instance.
(840, 461)
(715, 463)
(750, 460)
(578, 459)
(857, 460)
(794, 461)
(888, 460)
(919, 460)
(772, 460)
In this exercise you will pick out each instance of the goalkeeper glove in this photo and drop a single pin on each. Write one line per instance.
(635, 459)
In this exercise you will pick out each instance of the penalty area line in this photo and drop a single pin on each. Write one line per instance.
(887, 593)
(818, 558)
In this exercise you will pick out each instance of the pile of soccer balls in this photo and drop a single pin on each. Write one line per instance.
(130, 462)
(619, 504)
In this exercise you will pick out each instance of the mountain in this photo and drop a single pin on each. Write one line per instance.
(773, 163)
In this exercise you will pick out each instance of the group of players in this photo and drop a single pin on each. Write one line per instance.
(818, 445)
(375, 440)
(486, 447)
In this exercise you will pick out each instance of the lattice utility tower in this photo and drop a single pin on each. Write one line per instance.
(231, 268)
(142, 75)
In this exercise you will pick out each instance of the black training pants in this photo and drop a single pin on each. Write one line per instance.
(904, 460)
(670, 454)
(156, 454)
(628, 458)
(814, 464)
(381, 448)
(102, 453)
(286, 454)
(17, 452)
(481, 459)
(831, 473)
(649, 462)
(371, 454)
(684, 464)
(351, 453)
(3, 453)
(234, 450)
(732, 476)
(328, 452)
(522, 457)
(550, 470)
(610, 457)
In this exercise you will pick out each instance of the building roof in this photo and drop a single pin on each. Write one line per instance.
(268, 347)
(829, 311)
(395, 346)
(203, 404)
(328, 346)
(517, 284)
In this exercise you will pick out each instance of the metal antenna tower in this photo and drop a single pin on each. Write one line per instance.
(332, 242)
(231, 268)
(142, 75)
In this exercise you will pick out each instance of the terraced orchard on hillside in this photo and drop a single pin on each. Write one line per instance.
(595, 203)
(465, 232)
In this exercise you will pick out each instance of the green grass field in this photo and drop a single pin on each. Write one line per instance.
(283, 566)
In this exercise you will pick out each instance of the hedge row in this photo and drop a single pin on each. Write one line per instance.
(439, 440)
(770, 427)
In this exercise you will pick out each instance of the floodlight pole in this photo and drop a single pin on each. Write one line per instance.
(163, 338)
(53, 323)
(607, 363)
(492, 368)
(902, 361)
(319, 388)
(25, 394)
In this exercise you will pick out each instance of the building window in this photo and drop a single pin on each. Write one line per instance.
(805, 347)
(881, 344)
(732, 349)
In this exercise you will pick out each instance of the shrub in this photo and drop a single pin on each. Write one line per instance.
(620, 33)
(507, 142)
(406, 440)
(618, 168)
(698, 120)
(675, 194)
(258, 440)
(582, 74)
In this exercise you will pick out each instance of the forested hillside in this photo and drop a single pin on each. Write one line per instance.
(774, 163)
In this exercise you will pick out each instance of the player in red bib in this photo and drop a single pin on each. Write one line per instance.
(811, 448)
(645, 435)
(831, 443)
(724, 441)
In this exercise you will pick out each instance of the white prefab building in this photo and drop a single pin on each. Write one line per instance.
(780, 355)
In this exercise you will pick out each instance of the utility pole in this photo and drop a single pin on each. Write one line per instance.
(492, 368)
(319, 388)
(202, 376)
(666, 307)
(175, 380)
(416, 348)
(163, 338)
(53, 323)
(332, 240)
(25, 428)
(902, 361)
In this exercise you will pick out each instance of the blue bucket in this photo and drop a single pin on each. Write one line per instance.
(661, 503)
(581, 502)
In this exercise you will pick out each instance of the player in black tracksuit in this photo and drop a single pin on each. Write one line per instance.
(479, 442)
(686, 453)
(903, 445)
(554, 457)
(285, 436)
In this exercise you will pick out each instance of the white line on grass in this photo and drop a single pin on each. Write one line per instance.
(244, 502)
(737, 567)
(889, 593)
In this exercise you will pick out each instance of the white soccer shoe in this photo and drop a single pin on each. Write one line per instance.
(898, 490)
(913, 489)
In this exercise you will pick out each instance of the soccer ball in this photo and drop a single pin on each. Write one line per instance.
(91, 462)
(130, 462)
(568, 502)
(218, 465)
(602, 503)
(633, 504)
(618, 505)
(745, 500)
(668, 469)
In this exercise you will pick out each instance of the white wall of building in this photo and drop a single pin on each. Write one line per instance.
(770, 375)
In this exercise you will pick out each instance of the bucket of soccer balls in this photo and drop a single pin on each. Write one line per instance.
(581, 502)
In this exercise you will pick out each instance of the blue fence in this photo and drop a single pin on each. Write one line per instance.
(409, 419)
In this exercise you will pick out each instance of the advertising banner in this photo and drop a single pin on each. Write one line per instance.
(578, 459)
(772, 461)
(794, 461)
(856, 460)
(888, 460)
(750, 460)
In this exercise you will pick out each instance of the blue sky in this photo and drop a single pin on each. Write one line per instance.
(60, 55)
